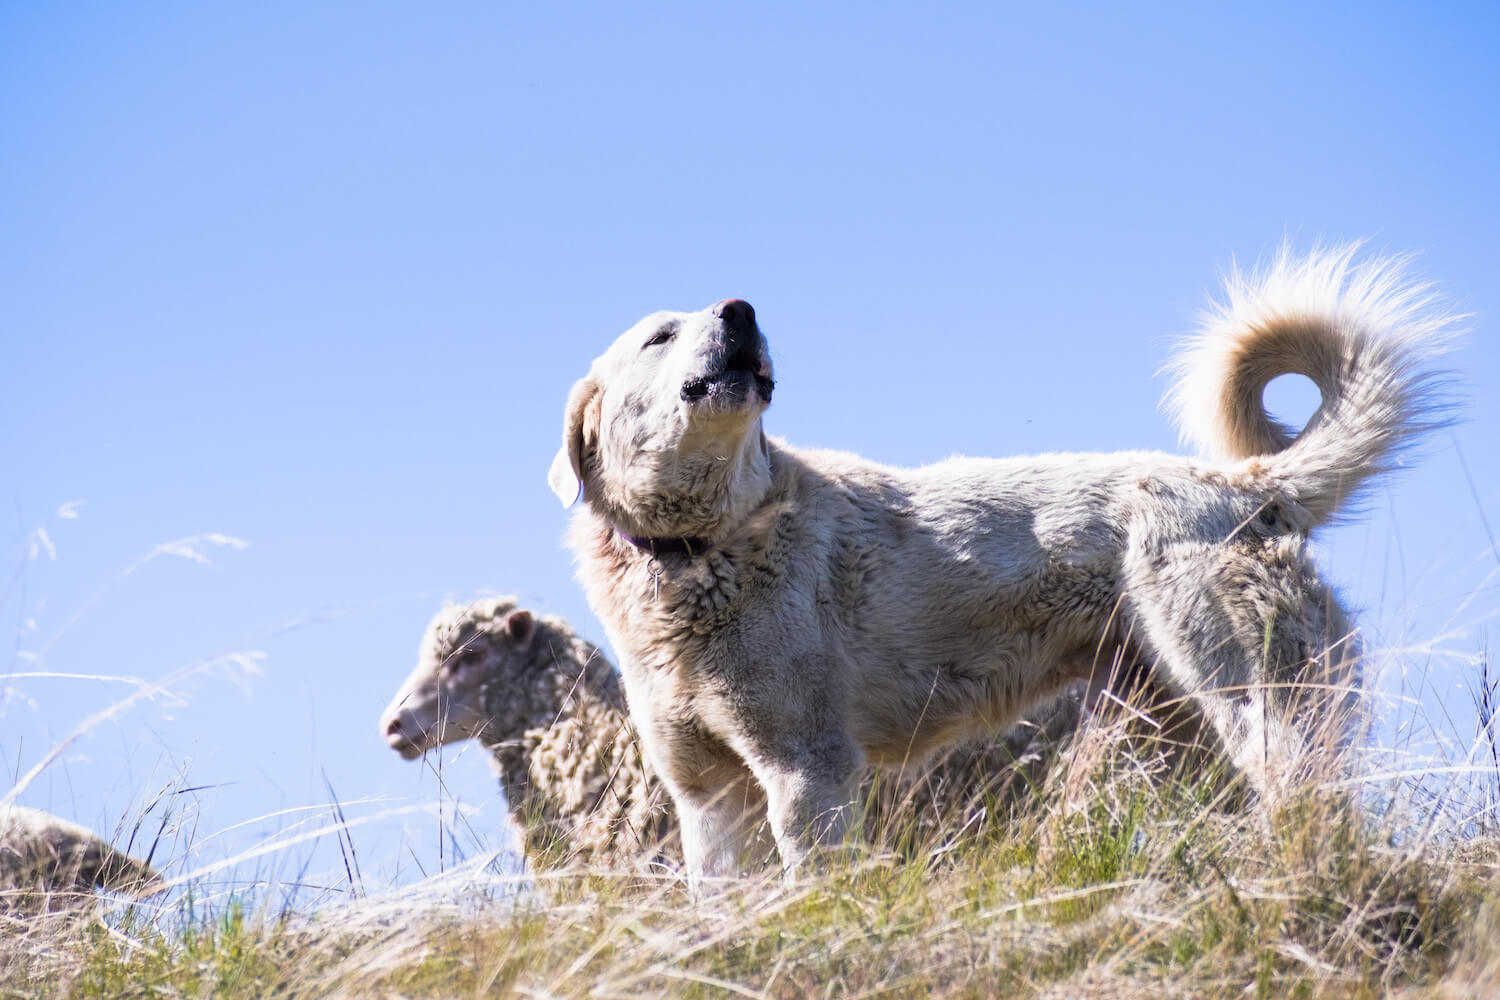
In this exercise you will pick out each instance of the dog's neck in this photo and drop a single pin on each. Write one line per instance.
(689, 546)
(688, 507)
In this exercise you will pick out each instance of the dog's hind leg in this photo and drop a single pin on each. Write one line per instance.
(1160, 722)
(1261, 646)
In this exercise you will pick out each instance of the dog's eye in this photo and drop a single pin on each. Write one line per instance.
(661, 336)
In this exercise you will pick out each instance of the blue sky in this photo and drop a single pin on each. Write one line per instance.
(318, 278)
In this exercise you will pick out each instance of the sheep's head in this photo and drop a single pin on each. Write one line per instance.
(468, 650)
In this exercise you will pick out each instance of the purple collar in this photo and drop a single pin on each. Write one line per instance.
(664, 546)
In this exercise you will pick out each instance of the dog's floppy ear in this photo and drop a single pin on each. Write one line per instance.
(580, 431)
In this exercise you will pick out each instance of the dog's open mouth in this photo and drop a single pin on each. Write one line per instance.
(741, 373)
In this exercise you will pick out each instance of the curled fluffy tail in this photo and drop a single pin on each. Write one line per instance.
(1361, 331)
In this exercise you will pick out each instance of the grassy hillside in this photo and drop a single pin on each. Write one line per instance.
(1106, 881)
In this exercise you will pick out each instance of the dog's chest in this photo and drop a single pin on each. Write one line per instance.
(679, 613)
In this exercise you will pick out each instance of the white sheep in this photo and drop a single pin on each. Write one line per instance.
(47, 862)
(550, 708)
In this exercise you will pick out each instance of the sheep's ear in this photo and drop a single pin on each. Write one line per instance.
(580, 432)
(520, 626)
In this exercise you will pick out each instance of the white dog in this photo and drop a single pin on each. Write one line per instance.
(783, 615)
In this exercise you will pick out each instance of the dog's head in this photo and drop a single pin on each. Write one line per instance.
(663, 435)
(469, 654)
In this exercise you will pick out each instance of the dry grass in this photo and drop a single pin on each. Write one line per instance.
(1109, 881)
(1113, 874)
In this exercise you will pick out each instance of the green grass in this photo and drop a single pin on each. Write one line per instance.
(1106, 881)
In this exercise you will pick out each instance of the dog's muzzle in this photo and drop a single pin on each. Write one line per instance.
(741, 368)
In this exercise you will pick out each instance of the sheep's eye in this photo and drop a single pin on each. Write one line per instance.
(462, 658)
(661, 336)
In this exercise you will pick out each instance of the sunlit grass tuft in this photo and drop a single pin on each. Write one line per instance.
(1136, 887)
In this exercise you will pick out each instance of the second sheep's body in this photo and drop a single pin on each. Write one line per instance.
(550, 708)
(48, 863)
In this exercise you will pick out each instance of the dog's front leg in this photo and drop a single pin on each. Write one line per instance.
(720, 824)
(809, 806)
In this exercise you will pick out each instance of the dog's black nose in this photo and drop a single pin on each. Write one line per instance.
(736, 313)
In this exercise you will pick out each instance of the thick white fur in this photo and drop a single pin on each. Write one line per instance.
(548, 706)
(1361, 332)
(833, 611)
